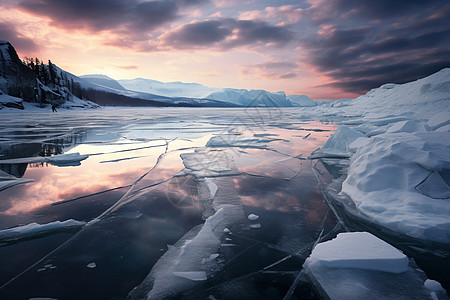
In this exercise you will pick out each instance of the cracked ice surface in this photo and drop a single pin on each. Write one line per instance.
(163, 199)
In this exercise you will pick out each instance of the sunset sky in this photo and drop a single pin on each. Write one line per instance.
(324, 49)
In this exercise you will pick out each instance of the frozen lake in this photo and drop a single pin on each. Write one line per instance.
(185, 203)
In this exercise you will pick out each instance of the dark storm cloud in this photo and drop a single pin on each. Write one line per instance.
(98, 15)
(10, 33)
(363, 44)
(228, 33)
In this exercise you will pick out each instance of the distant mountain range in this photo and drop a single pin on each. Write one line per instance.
(33, 81)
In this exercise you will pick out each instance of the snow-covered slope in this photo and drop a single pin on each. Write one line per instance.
(168, 89)
(245, 97)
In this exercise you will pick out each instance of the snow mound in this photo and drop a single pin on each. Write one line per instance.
(360, 250)
(301, 101)
(245, 97)
(338, 145)
(401, 180)
(35, 229)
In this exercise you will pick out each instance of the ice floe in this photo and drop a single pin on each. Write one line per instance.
(360, 250)
(358, 265)
(34, 229)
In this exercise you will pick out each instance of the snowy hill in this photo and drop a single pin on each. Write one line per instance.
(245, 97)
(168, 89)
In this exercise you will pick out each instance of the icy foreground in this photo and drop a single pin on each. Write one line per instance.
(367, 268)
(399, 142)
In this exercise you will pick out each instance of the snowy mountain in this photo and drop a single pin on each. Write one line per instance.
(301, 100)
(168, 89)
(103, 81)
(245, 97)
(32, 81)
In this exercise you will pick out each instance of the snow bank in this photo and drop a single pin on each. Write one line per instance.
(400, 180)
(360, 250)
(35, 229)
(8, 101)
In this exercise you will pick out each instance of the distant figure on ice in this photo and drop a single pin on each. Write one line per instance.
(54, 108)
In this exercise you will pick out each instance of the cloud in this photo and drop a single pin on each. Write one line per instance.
(224, 34)
(130, 67)
(108, 15)
(269, 70)
(290, 13)
(364, 44)
(21, 43)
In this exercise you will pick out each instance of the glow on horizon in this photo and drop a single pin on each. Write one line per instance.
(322, 49)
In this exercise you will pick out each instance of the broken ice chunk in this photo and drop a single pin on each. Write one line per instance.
(35, 229)
(192, 275)
(91, 265)
(253, 217)
(210, 258)
(69, 159)
(255, 226)
(360, 250)
(358, 265)
(338, 144)
(433, 286)
(226, 230)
